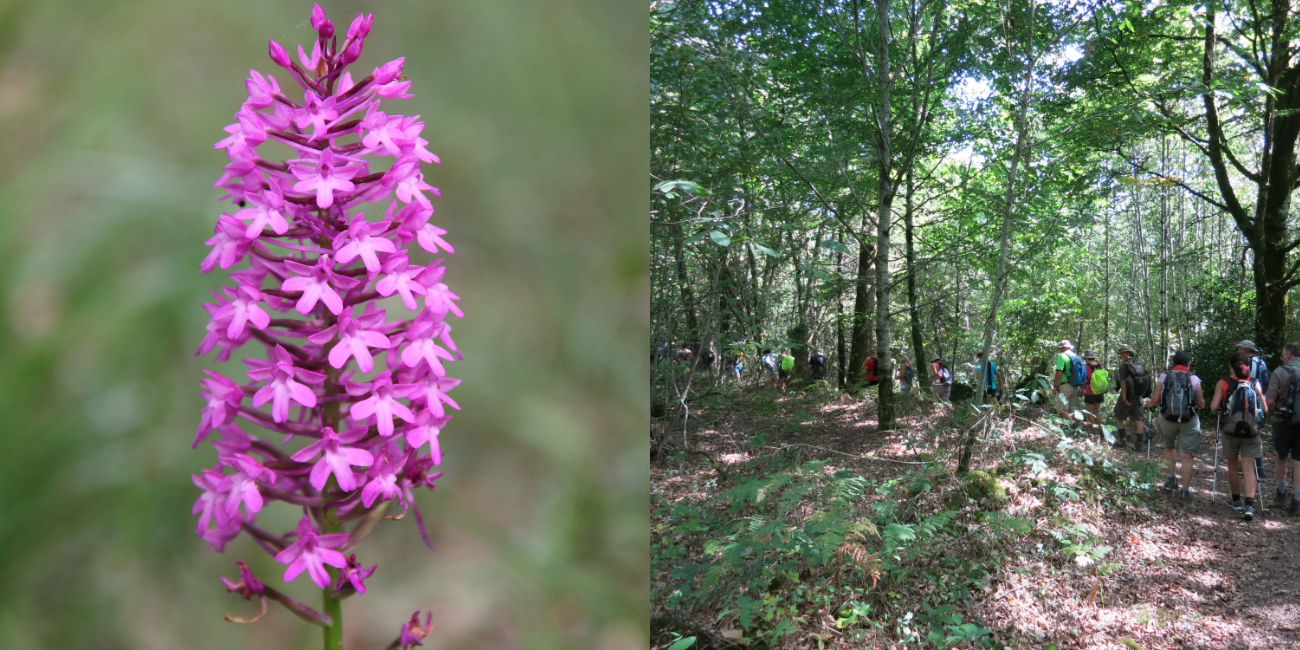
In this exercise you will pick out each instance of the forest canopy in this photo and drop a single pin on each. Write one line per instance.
(913, 178)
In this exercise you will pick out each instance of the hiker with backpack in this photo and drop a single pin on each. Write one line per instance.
(1259, 372)
(906, 374)
(785, 367)
(1243, 407)
(817, 362)
(869, 371)
(1283, 398)
(1071, 375)
(1134, 385)
(942, 386)
(990, 374)
(707, 359)
(769, 368)
(1178, 395)
(1094, 390)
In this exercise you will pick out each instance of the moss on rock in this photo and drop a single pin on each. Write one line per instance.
(979, 485)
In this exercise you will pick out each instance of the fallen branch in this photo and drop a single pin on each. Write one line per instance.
(1036, 424)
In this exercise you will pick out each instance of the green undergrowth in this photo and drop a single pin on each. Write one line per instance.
(784, 544)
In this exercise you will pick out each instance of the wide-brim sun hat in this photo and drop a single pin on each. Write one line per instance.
(1065, 343)
(1087, 354)
(936, 358)
(1249, 345)
(1126, 348)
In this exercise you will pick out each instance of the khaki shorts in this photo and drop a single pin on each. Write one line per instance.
(941, 391)
(1128, 411)
(1068, 399)
(1185, 436)
(1243, 447)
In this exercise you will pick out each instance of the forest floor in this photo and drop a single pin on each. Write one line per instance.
(1076, 546)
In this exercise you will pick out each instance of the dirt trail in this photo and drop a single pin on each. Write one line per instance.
(1191, 575)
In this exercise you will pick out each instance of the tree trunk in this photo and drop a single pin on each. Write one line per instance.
(921, 365)
(841, 356)
(692, 334)
(1008, 212)
(1266, 229)
(860, 331)
(1105, 318)
(884, 218)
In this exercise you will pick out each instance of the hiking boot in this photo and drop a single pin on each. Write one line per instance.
(1280, 499)
(1171, 483)
(1121, 441)
(1248, 513)
(1294, 508)
(1236, 504)
(1186, 495)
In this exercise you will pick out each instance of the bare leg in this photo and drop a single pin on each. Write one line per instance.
(1187, 470)
(1234, 483)
(1250, 480)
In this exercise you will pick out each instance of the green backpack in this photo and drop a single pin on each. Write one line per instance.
(1100, 382)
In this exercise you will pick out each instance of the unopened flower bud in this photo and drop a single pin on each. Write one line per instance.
(352, 53)
(279, 55)
(389, 71)
(360, 27)
(320, 23)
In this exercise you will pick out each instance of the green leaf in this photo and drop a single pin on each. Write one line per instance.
(668, 188)
(759, 248)
(696, 237)
(682, 643)
(720, 238)
(835, 246)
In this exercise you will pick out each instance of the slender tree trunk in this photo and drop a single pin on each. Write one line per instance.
(841, 356)
(692, 334)
(884, 218)
(1004, 247)
(862, 305)
(1105, 318)
(1164, 250)
(922, 365)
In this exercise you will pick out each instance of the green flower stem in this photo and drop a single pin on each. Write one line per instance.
(333, 606)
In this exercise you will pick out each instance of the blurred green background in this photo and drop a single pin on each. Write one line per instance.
(108, 112)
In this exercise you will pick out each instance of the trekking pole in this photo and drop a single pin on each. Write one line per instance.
(1149, 435)
(1215, 490)
(1259, 488)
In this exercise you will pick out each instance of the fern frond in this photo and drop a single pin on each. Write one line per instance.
(858, 555)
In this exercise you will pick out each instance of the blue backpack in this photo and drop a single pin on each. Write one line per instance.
(1078, 371)
(1259, 371)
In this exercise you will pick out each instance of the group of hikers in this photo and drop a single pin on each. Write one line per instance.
(1241, 401)
(776, 369)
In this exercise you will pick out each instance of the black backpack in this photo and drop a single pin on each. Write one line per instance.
(945, 375)
(1178, 399)
(1245, 409)
(1139, 382)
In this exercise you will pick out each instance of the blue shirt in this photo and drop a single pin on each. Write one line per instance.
(992, 376)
